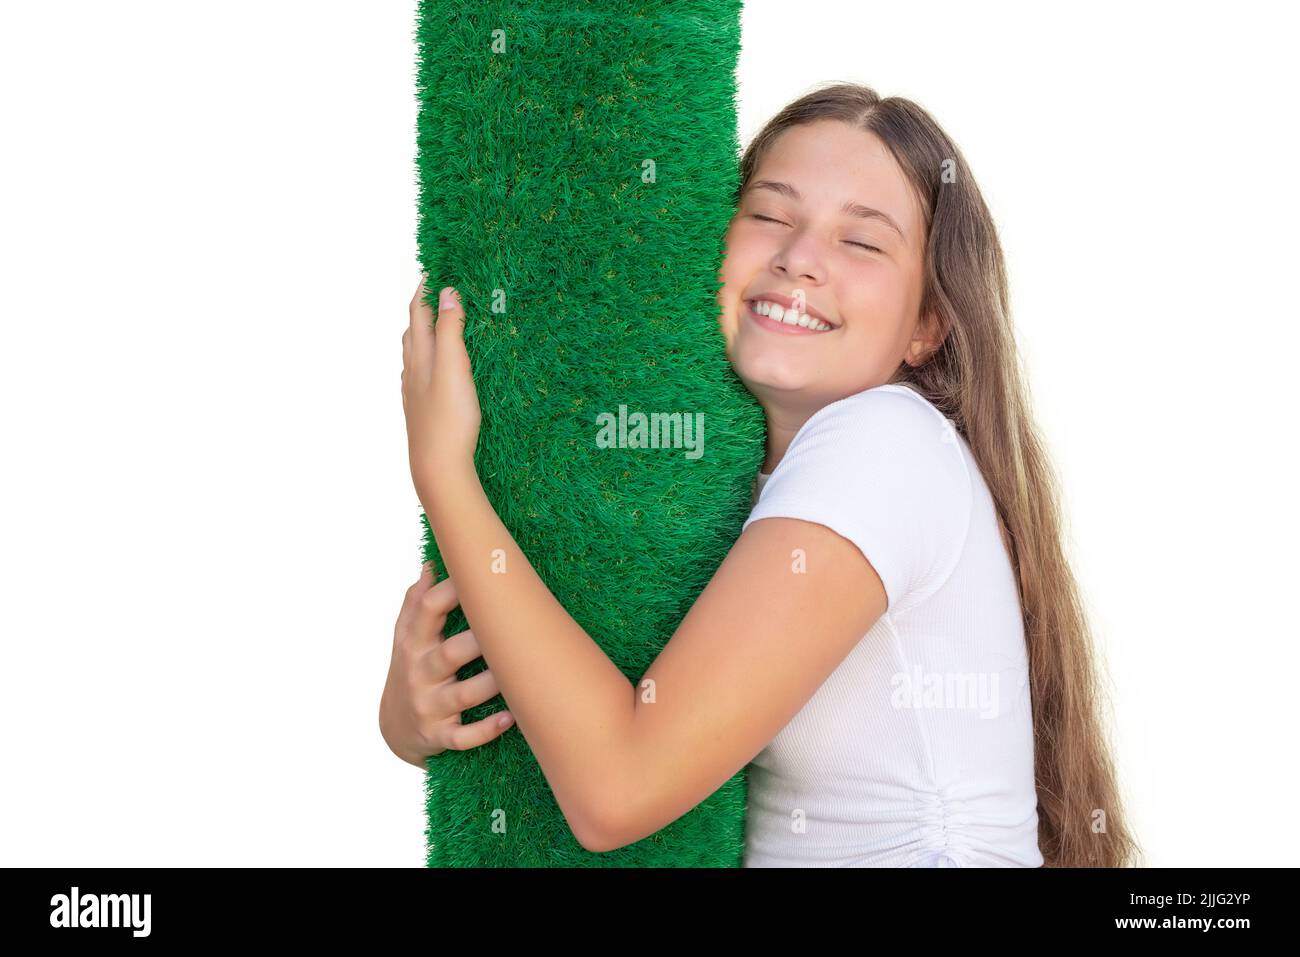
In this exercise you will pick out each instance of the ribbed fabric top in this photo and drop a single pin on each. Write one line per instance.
(917, 751)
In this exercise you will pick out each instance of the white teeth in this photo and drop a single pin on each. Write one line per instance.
(791, 317)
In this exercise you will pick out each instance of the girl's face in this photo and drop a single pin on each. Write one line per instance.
(859, 270)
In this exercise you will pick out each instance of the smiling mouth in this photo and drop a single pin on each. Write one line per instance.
(773, 325)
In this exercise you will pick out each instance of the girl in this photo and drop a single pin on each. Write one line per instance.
(913, 679)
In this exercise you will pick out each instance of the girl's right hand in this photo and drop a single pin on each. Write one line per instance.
(419, 712)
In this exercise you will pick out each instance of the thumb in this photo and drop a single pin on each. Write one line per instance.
(450, 327)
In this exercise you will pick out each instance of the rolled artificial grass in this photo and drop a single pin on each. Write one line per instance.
(577, 167)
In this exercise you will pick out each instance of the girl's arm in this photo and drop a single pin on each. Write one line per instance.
(570, 701)
(784, 608)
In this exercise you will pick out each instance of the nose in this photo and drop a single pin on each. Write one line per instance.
(799, 260)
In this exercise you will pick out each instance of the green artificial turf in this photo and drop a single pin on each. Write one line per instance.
(589, 278)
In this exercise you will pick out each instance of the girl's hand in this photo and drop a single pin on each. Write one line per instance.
(438, 393)
(419, 712)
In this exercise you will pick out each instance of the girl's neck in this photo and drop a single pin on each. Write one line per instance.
(781, 429)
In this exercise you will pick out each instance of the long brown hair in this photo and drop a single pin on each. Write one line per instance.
(975, 378)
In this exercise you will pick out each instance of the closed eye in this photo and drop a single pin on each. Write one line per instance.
(769, 219)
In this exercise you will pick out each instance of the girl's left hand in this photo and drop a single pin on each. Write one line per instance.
(438, 393)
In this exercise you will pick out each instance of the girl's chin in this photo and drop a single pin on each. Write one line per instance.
(772, 372)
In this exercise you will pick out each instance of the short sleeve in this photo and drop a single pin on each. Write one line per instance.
(884, 469)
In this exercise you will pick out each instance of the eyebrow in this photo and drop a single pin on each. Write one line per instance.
(853, 209)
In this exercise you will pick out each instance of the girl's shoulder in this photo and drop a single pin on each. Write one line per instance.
(893, 415)
(887, 470)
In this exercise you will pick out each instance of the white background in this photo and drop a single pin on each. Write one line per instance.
(207, 220)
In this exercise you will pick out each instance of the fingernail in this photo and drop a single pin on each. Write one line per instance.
(504, 721)
(447, 298)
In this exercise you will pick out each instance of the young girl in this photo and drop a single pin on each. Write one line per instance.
(895, 641)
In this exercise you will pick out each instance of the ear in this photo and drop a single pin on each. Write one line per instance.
(926, 339)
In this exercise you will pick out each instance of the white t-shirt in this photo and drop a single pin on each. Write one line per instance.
(917, 751)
